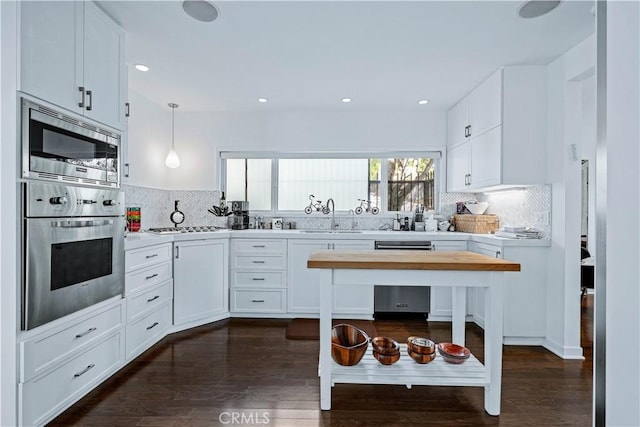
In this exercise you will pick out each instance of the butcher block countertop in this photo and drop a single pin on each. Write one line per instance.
(408, 260)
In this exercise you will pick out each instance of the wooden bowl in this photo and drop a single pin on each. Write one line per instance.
(453, 353)
(348, 344)
(385, 345)
(421, 358)
(421, 345)
(387, 359)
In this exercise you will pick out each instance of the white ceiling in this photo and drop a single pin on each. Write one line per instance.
(305, 55)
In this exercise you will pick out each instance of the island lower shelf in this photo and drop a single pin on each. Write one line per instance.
(409, 373)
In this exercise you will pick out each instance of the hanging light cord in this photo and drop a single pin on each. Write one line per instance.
(173, 113)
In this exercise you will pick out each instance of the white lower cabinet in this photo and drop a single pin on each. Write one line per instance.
(61, 363)
(257, 301)
(303, 297)
(149, 293)
(524, 293)
(148, 329)
(200, 281)
(441, 296)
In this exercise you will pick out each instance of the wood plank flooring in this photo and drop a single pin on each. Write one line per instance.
(246, 369)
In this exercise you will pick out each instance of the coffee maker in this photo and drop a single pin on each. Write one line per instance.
(240, 217)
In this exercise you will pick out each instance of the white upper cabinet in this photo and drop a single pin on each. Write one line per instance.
(72, 55)
(504, 135)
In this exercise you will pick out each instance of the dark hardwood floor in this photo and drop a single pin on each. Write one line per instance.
(247, 369)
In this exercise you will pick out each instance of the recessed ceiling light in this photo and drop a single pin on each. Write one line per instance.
(142, 67)
(346, 100)
(423, 102)
(535, 8)
(200, 10)
(263, 100)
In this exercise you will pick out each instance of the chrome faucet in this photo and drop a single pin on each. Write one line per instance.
(333, 213)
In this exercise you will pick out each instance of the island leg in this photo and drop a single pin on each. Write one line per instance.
(458, 314)
(326, 291)
(493, 343)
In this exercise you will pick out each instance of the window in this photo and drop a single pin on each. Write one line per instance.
(285, 183)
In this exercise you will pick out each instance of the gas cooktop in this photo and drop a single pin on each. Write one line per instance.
(176, 230)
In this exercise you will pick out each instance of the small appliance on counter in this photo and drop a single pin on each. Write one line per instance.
(240, 215)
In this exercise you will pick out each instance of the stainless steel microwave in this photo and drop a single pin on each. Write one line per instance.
(62, 148)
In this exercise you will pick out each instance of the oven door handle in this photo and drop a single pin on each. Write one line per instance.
(79, 224)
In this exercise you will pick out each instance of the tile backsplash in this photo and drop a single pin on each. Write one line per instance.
(529, 206)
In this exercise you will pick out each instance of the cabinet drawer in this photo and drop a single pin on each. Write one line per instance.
(45, 396)
(259, 301)
(141, 303)
(259, 246)
(41, 353)
(145, 332)
(259, 262)
(258, 279)
(144, 257)
(147, 277)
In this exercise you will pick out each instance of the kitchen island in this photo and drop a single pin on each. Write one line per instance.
(458, 270)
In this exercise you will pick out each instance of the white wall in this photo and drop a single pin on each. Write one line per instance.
(622, 220)
(566, 77)
(8, 214)
(199, 134)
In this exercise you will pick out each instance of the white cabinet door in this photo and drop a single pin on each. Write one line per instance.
(51, 51)
(485, 105)
(458, 162)
(200, 280)
(477, 294)
(66, 46)
(103, 67)
(486, 159)
(353, 299)
(441, 296)
(303, 292)
(457, 123)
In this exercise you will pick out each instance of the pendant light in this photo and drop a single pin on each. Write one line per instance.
(172, 161)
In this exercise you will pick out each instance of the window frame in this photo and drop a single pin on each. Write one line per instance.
(274, 156)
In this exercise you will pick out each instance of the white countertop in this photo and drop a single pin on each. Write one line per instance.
(142, 239)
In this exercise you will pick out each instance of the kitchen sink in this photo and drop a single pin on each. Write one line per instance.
(331, 231)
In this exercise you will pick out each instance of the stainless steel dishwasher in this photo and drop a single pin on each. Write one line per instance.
(390, 300)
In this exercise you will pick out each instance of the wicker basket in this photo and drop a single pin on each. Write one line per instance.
(477, 224)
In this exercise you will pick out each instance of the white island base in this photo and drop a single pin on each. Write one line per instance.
(458, 270)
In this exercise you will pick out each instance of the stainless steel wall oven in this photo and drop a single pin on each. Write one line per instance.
(57, 146)
(73, 244)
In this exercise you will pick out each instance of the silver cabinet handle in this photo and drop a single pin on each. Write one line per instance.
(84, 371)
(127, 109)
(79, 224)
(88, 331)
(81, 103)
(258, 262)
(152, 326)
(153, 299)
(151, 256)
(151, 277)
(126, 170)
(258, 246)
(90, 96)
(258, 278)
(177, 252)
(257, 300)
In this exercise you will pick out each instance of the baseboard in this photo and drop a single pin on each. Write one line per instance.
(199, 322)
(568, 353)
(530, 341)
